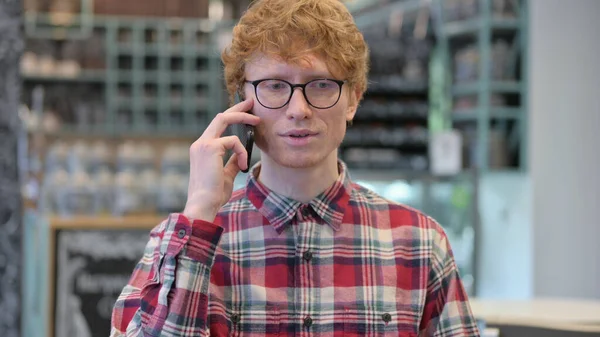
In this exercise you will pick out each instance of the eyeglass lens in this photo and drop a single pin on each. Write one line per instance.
(320, 93)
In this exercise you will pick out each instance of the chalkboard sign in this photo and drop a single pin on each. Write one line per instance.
(92, 267)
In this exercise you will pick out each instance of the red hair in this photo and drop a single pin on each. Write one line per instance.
(294, 29)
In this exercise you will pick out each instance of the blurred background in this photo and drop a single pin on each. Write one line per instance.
(482, 113)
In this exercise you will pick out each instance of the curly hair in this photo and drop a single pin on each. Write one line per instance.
(291, 30)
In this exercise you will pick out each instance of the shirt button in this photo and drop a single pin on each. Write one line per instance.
(307, 256)
(306, 212)
(181, 233)
(235, 318)
(308, 322)
(386, 317)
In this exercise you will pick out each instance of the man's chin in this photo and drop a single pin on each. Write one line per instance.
(299, 161)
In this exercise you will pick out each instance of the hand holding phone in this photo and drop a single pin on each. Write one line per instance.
(245, 132)
(211, 183)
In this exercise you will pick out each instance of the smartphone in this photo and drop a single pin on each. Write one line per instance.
(245, 133)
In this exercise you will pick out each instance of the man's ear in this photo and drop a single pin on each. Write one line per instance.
(355, 96)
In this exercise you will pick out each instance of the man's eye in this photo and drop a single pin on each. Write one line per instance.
(321, 85)
(275, 86)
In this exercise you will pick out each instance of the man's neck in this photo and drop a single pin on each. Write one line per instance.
(301, 184)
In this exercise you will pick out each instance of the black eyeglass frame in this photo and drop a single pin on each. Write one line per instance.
(340, 84)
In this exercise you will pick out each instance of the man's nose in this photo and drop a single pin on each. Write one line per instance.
(298, 108)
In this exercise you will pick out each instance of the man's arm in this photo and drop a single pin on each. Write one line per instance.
(447, 310)
(167, 294)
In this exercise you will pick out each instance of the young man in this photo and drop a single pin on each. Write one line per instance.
(301, 250)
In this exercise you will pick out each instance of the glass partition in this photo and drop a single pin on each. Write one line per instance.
(451, 201)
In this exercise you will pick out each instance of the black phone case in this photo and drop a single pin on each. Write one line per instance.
(246, 136)
(245, 133)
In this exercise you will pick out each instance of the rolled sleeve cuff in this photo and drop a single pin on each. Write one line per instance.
(203, 242)
(194, 239)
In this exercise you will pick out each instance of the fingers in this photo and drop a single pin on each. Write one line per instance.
(239, 152)
(232, 168)
(245, 105)
(235, 115)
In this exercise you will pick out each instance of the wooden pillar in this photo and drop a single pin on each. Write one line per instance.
(11, 47)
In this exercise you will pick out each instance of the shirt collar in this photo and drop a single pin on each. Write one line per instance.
(280, 210)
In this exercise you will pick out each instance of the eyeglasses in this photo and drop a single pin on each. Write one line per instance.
(319, 93)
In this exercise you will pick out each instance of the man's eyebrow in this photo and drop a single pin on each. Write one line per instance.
(319, 75)
(305, 76)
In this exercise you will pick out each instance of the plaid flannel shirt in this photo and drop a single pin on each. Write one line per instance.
(349, 263)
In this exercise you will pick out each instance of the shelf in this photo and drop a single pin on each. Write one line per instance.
(477, 37)
(206, 52)
(106, 222)
(406, 146)
(152, 81)
(506, 171)
(359, 5)
(50, 19)
(368, 117)
(399, 174)
(505, 24)
(473, 88)
(165, 50)
(151, 103)
(118, 132)
(202, 77)
(124, 102)
(89, 76)
(171, 76)
(472, 26)
(395, 84)
(156, 76)
(127, 49)
(467, 115)
(366, 13)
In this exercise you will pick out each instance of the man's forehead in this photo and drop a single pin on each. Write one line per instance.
(306, 61)
(308, 64)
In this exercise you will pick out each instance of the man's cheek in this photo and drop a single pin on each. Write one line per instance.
(260, 138)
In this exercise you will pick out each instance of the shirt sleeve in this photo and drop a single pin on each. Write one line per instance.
(167, 294)
(447, 310)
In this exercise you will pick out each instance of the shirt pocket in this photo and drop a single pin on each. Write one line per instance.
(255, 321)
(364, 321)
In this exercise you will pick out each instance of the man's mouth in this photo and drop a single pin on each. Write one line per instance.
(299, 133)
(299, 137)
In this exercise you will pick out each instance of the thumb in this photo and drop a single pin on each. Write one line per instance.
(231, 168)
